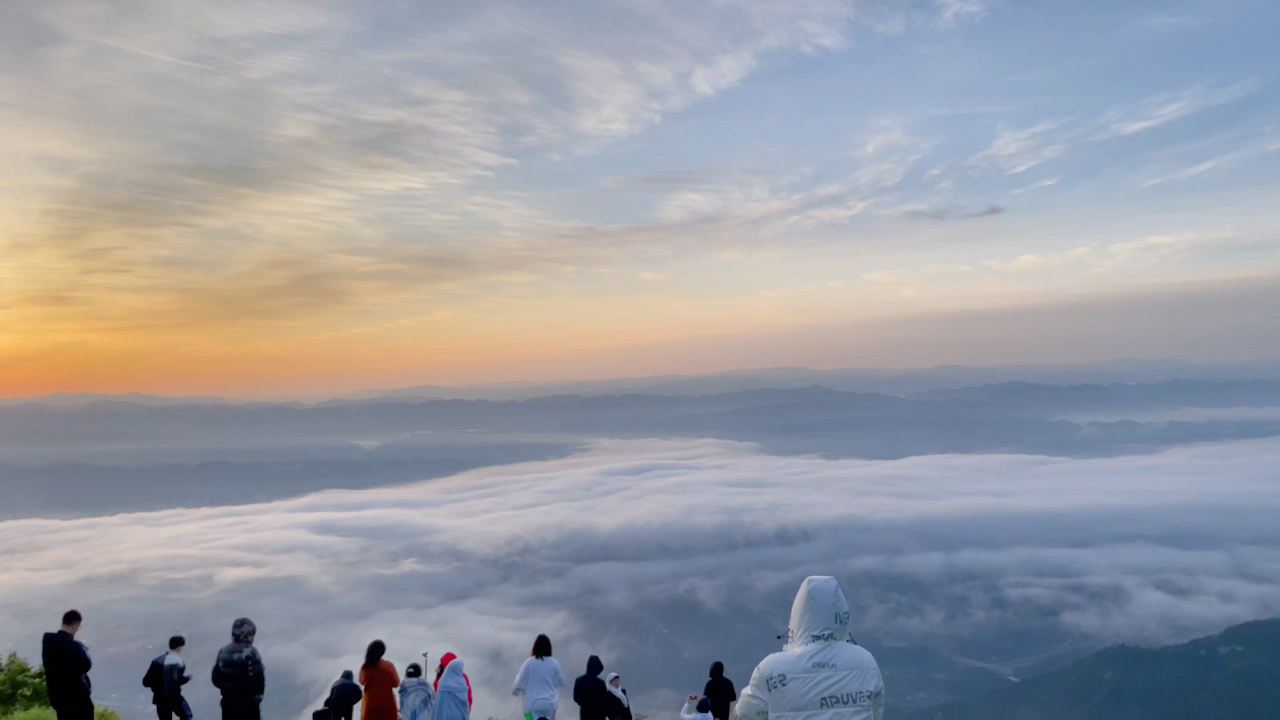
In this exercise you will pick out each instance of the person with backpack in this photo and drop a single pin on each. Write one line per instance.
(238, 673)
(453, 701)
(343, 696)
(445, 659)
(720, 691)
(590, 693)
(618, 704)
(821, 673)
(539, 681)
(417, 697)
(165, 677)
(66, 670)
(380, 679)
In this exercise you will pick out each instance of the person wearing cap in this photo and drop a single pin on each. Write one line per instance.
(821, 674)
(417, 697)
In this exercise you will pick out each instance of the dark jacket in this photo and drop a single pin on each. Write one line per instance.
(614, 708)
(165, 677)
(720, 692)
(238, 672)
(343, 697)
(66, 670)
(590, 693)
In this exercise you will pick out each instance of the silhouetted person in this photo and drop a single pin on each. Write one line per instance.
(166, 676)
(821, 673)
(590, 693)
(720, 692)
(66, 670)
(239, 674)
(343, 696)
(539, 682)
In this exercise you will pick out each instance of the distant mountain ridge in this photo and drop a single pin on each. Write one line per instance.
(1230, 675)
(1009, 417)
(867, 380)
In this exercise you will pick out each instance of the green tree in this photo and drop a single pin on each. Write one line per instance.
(21, 686)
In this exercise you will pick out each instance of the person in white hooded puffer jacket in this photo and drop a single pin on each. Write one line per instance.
(821, 674)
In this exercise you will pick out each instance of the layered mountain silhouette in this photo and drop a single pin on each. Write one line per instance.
(1228, 675)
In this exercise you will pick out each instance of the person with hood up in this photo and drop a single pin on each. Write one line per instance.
(720, 691)
(821, 674)
(343, 696)
(417, 697)
(445, 659)
(590, 693)
(452, 694)
(239, 674)
(539, 682)
(66, 670)
(380, 679)
(618, 705)
(701, 708)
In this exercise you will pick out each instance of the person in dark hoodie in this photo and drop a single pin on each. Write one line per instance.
(590, 692)
(720, 692)
(66, 670)
(238, 673)
(343, 696)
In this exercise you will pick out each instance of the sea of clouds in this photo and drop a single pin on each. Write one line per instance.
(660, 556)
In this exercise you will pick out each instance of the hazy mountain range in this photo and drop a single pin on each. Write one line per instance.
(1230, 674)
(114, 455)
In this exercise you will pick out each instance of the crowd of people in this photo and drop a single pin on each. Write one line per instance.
(821, 673)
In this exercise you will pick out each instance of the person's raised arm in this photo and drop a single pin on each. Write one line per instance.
(689, 711)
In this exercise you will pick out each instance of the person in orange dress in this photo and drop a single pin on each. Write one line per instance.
(380, 679)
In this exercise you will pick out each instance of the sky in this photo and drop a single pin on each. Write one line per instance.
(250, 198)
(661, 556)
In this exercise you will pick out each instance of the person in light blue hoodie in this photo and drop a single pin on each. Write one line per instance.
(451, 694)
(417, 698)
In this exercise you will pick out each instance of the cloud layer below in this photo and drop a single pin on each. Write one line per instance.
(661, 556)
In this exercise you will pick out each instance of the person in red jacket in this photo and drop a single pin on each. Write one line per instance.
(444, 663)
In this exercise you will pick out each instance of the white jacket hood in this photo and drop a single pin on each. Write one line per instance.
(819, 614)
(821, 674)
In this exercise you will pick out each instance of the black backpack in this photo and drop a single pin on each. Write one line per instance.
(154, 678)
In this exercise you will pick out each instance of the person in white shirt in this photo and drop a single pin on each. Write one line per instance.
(538, 681)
